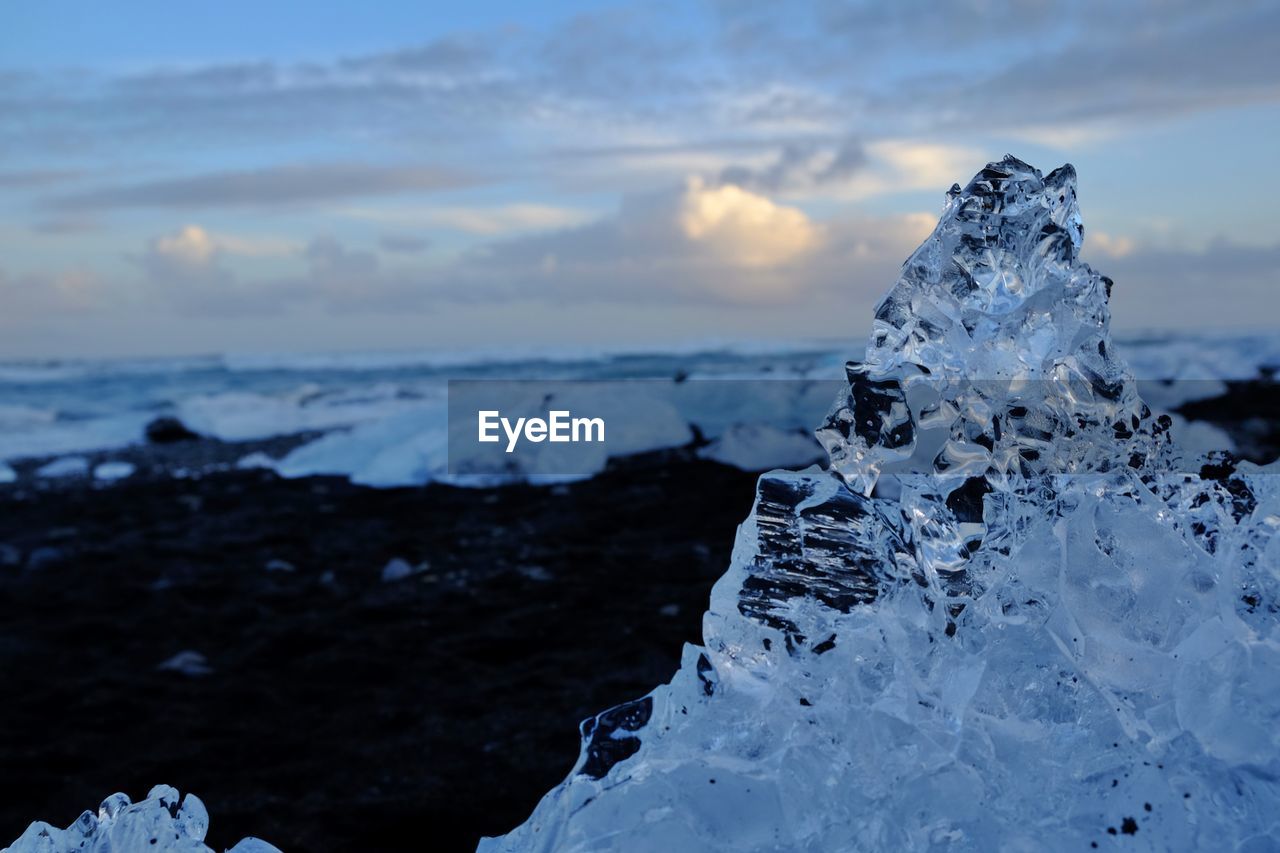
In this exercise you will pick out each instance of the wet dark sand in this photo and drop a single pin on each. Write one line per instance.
(342, 712)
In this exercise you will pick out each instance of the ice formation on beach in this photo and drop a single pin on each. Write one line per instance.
(1010, 615)
(165, 822)
(66, 466)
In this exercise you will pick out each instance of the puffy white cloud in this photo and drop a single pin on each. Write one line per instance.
(194, 246)
(701, 244)
(741, 228)
(1110, 245)
(188, 267)
(191, 245)
(914, 164)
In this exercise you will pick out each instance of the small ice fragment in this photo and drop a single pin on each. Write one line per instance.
(7, 474)
(255, 460)
(760, 447)
(190, 663)
(67, 466)
(280, 566)
(669, 610)
(535, 573)
(110, 472)
(396, 569)
(45, 555)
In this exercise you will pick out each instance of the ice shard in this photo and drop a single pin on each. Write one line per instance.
(164, 822)
(1008, 615)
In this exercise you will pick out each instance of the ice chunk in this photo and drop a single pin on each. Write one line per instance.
(397, 569)
(165, 822)
(67, 466)
(7, 474)
(759, 447)
(66, 436)
(189, 662)
(254, 460)
(110, 472)
(403, 450)
(1012, 614)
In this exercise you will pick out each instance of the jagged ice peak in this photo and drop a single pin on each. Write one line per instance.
(1009, 615)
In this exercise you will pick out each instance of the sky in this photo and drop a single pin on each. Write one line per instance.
(324, 176)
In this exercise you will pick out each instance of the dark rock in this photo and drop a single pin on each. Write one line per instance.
(169, 430)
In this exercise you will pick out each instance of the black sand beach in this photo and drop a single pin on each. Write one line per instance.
(342, 712)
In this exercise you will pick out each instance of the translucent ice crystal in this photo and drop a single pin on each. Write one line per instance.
(1010, 615)
(165, 822)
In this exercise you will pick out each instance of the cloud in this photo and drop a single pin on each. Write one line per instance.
(30, 297)
(186, 266)
(192, 246)
(188, 269)
(195, 246)
(454, 54)
(802, 166)
(790, 71)
(486, 221)
(779, 111)
(853, 169)
(269, 187)
(191, 270)
(924, 165)
(744, 229)
(36, 178)
(1183, 287)
(64, 225)
(1022, 64)
(1111, 246)
(697, 245)
(1122, 66)
(405, 243)
(339, 273)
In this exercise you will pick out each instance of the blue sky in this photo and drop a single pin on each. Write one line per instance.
(280, 176)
